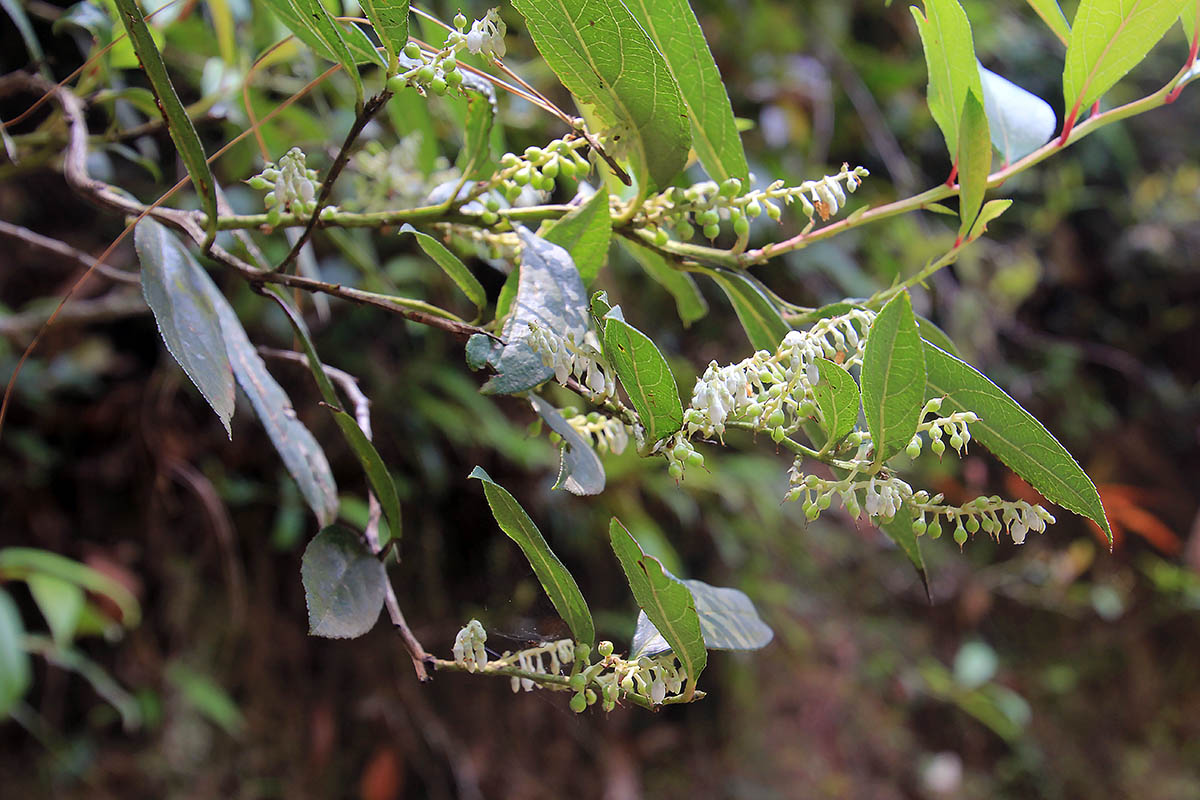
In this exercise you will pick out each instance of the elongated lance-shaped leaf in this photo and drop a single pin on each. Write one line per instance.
(1109, 38)
(665, 600)
(838, 399)
(893, 378)
(899, 529)
(689, 302)
(177, 290)
(317, 19)
(974, 162)
(555, 579)
(1051, 13)
(764, 327)
(475, 159)
(390, 20)
(22, 563)
(604, 57)
(646, 377)
(1013, 435)
(372, 464)
(950, 58)
(1018, 121)
(451, 265)
(584, 232)
(344, 584)
(179, 124)
(672, 26)
(15, 671)
(728, 621)
(990, 211)
(357, 42)
(579, 470)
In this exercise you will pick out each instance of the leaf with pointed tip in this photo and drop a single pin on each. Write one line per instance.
(604, 57)
(689, 302)
(974, 162)
(667, 602)
(950, 58)
(555, 579)
(991, 210)
(344, 584)
(15, 671)
(60, 601)
(318, 20)
(358, 43)
(550, 293)
(579, 471)
(672, 26)
(899, 530)
(177, 290)
(475, 160)
(646, 377)
(1051, 13)
(893, 378)
(728, 621)
(838, 399)
(1013, 435)
(451, 264)
(390, 20)
(585, 233)
(759, 317)
(1019, 121)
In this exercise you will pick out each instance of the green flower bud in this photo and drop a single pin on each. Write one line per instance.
(695, 459)
(591, 697)
(534, 153)
(708, 217)
(918, 527)
(712, 231)
(489, 217)
(914, 448)
(454, 77)
(778, 434)
(269, 200)
(684, 231)
(731, 187)
(460, 21)
(741, 225)
(680, 451)
(438, 86)
(567, 168)
(605, 649)
(972, 524)
(491, 203)
(579, 702)
(773, 210)
(544, 182)
(824, 501)
(661, 237)
(753, 208)
(937, 446)
(777, 418)
(754, 411)
(811, 512)
(935, 529)
(551, 168)
(259, 183)
(449, 63)
(523, 176)
(675, 470)
(578, 683)
(956, 441)
(426, 73)
(960, 535)
(582, 651)
(396, 84)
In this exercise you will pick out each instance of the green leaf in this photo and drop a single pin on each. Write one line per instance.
(838, 398)
(451, 265)
(15, 671)
(60, 602)
(604, 57)
(974, 161)
(1013, 435)
(179, 124)
(475, 160)
(1109, 38)
(360, 46)
(899, 530)
(646, 377)
(893, 378)
(935, 335)
(672, 26)
(176, 289)
(321, 24)
(372, 464)
(1018, 121)
(344, 584)
(585, 233)
(1051, 13)
(207, 697)
(579, 471)
(22, 563)
(950, 58)
(991, 210)
(390, 20)
(761, 321)
(555, 579)
(665, 600)
(728, 621)
(550, 293)
(482, 350)
(689, 302)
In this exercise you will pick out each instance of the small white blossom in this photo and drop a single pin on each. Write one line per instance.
(487, 35)
(469, 646)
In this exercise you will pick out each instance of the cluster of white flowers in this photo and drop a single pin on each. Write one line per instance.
(653, 678)
(608, 433)
(570, 358)
(955, 424)
(486, 36)
(293, 187)
(534, 660)
(827, 193)
(469, 647)
(774, 390)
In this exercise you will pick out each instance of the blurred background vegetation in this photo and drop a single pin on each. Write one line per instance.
(1053, 670)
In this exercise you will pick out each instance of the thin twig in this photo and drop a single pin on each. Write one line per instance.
(66, 251)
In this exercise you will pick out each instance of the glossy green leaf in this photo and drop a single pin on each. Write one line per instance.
(950, 58)
(689, 302)
(646, 377)
(15, 671)
(319, 21)
(838, 399)
(893, 378)
(451, 265)
(899, 530)
(1013, 435)
(1018, 121)
(935, 335)
(764, 327)
(550, 293)
(584, 232)
(390, 20)
(555, 579)
(376, 471)
(579, 471)
(990, 211)
(974, 162)
(22, 563)
(665, 600)
(475, 160)
(728, 621)
(177, 290)
(344, 584)
(604, 57)
(1051, 13)
(60, 602)
(1109, 38)
(357, 42)
(672, 26)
